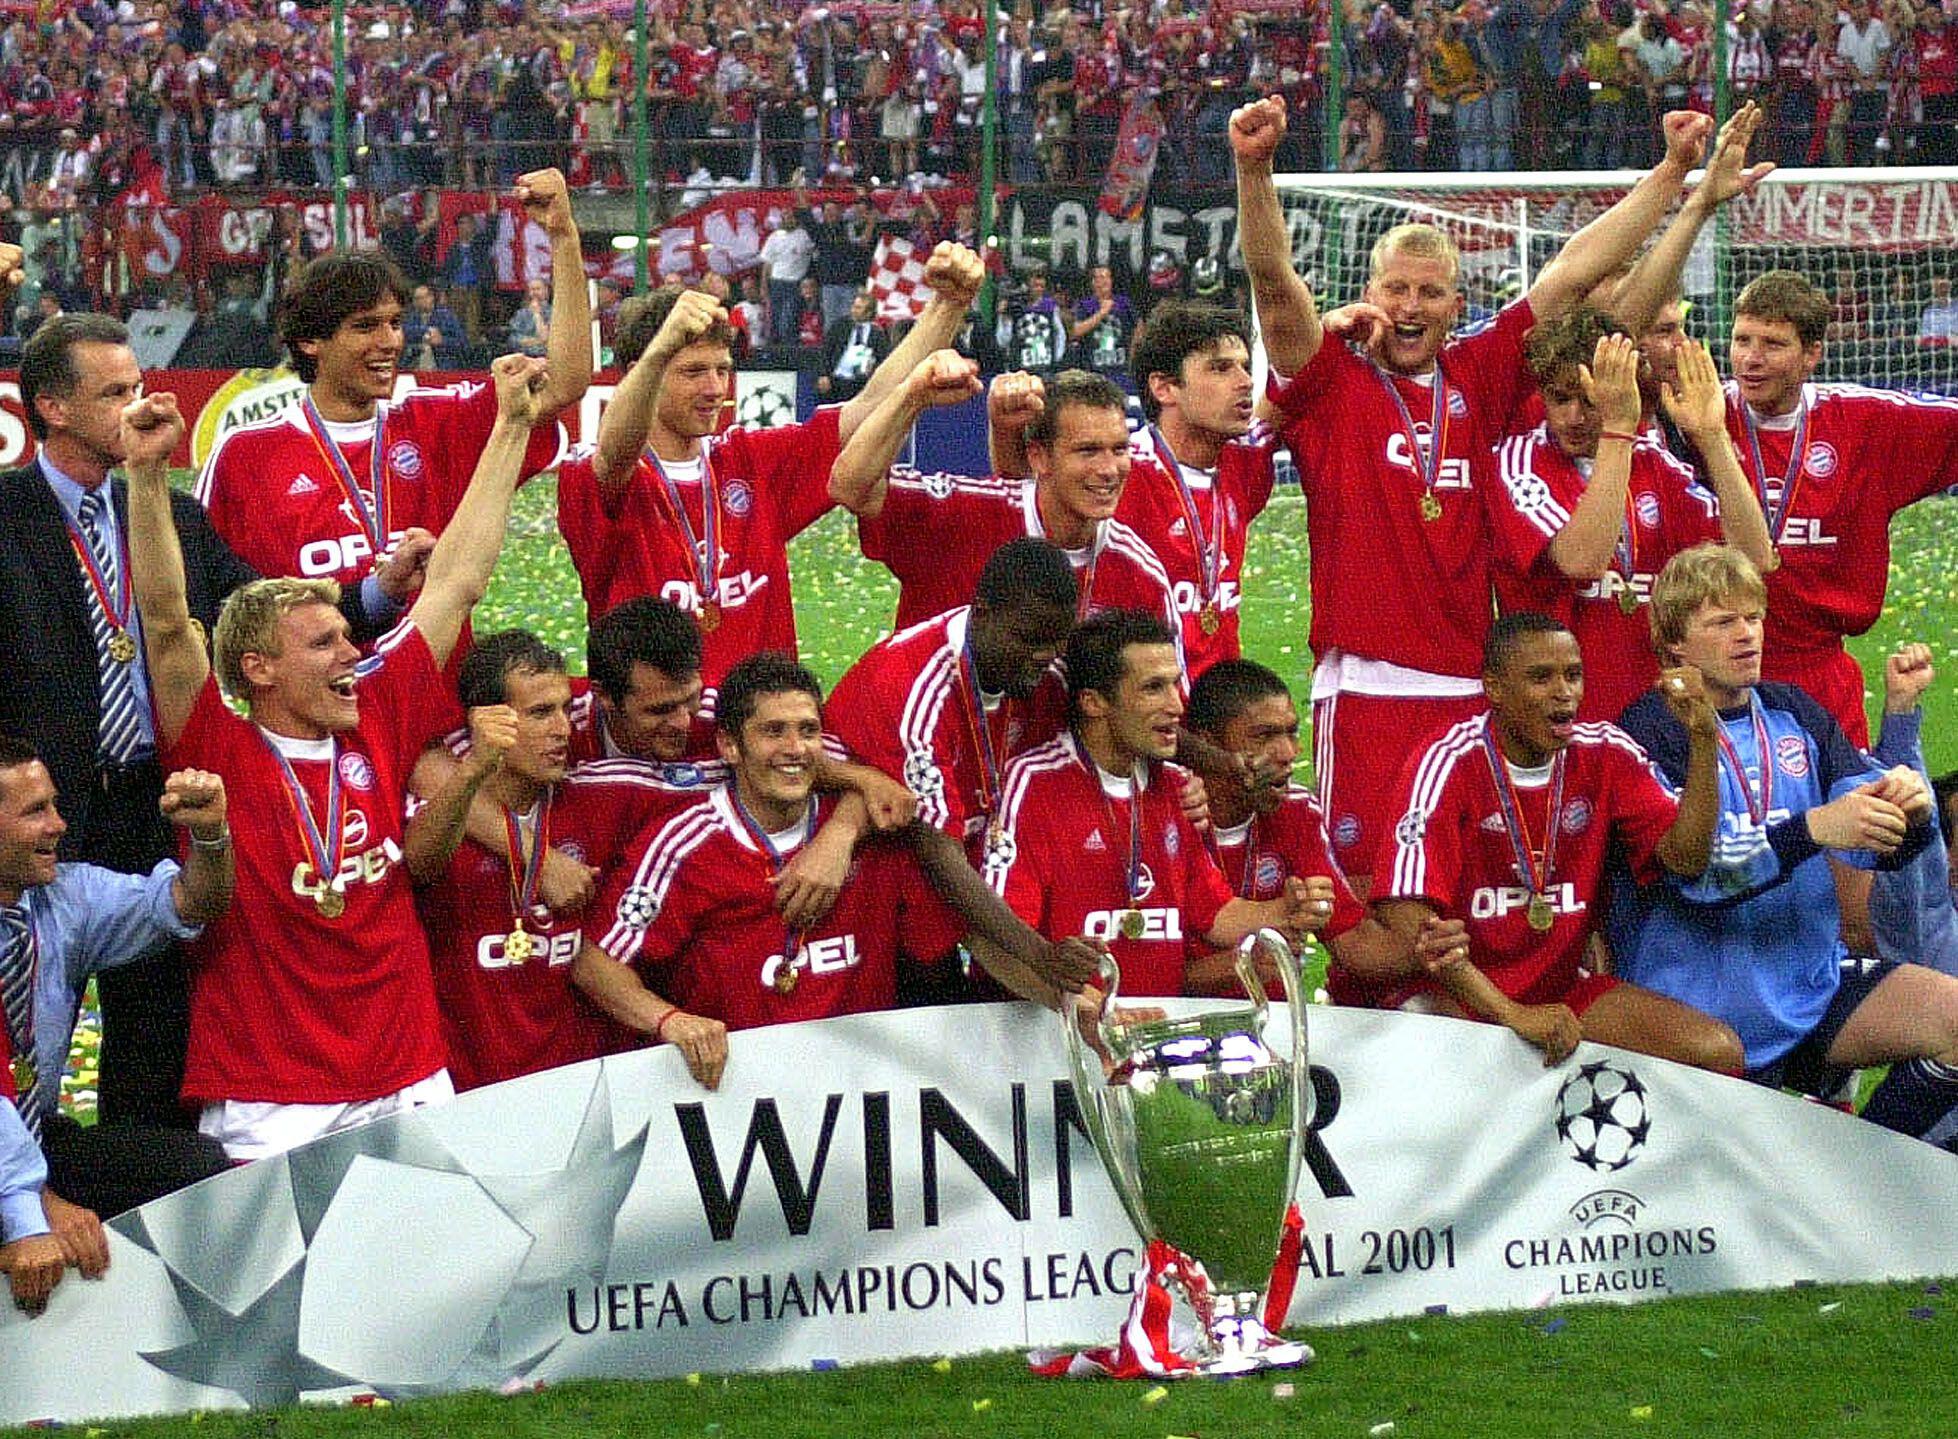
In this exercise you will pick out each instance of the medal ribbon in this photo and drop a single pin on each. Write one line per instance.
(324, 853)
(703, 549)
(1791, 481)
(1132, 880)
(1430, 464)
(525, 868)
(1757, 813)
(982, 735)
(1210, 547)
(792, 939)
(1516, 827)
(376, 521)
(115, 600)
(1626, 549)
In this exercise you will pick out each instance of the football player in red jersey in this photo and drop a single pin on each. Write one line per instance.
(350, 486)
(312, 1006)
(1494, 875)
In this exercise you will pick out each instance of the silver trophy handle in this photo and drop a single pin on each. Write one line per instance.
(1270, 940)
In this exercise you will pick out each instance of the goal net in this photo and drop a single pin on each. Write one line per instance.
(1882, 243)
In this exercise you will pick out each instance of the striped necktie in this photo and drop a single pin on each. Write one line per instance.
(121, 732)
(17, 1003)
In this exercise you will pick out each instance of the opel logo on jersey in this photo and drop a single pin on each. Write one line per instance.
(1160, 923)
(832, 955)
(1500, 901)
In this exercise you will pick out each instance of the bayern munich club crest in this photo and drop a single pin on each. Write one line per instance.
(405, 459)
(1646, 506)
(356, 772)
(1346, 831)
(1268, 873)
(1601, 1116)
(938, 485)
(740, 499)
(1577, 816)
(1791, 756)
(1821, 459)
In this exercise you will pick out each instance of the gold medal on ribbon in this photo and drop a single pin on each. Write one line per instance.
(331, 903)
(122, 647)
(24, 1073)
(1210, 621)
(786, 979)
(1628, 601)
(1133, 924)
(1431, 506)
(519, 945)
(710, 617)
(1540, 915)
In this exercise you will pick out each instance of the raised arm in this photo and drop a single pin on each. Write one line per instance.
(1699, 408)
(568, 345)
(622, 428)
(194, 801)
(1608, 243)
(954, 275)
(1656, 275)
(857, 480)
(1013, 401)
(1685, 848)
(451, 787)
(459, 566)
(1288, 319)
(1583, 548)
(173, 646)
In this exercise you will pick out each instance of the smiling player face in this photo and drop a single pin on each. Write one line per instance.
(1082, 472)
(774, 761)
(357, 362)
(1534, 694)
(1421, 300)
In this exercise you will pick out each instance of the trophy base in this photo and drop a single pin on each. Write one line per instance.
(1245, 1346)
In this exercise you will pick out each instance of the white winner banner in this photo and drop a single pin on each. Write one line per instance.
(917, 1183)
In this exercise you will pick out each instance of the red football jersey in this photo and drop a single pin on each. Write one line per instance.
(907, 709)
(501, 1016)
(287, 1005)
(1388, 584)
(936, 532)
(1452, 848)
(1226, 499)
(1866, 454)
(1062, 861)
(1258, 856)
(694, 907)
(773, 484)
(277, 498)
(1666, 511)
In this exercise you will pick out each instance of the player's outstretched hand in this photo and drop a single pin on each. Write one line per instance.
(945, 377)
(1015, 400)
(1552, 1028)
(1684, 689)
(1256, 130)
(1906, 675)
(1442, 944)
(1610, 383)
(194, 799)
(702, 1043)
(151, 429)
(519, 381)
(402, 568)
(954, 274)
(1727, 173)
(1698, 406)
(545, 199)
(694, 313)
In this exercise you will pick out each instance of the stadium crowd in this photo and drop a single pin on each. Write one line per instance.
(330, 855)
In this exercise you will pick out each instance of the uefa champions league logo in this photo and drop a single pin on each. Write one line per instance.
(1601, 1116)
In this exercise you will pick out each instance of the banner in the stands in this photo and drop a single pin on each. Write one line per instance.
(918, 1183)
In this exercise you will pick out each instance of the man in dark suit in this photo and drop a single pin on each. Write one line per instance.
(78, 689)
(852, 348)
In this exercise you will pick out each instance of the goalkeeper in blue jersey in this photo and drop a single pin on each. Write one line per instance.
(1755, 940)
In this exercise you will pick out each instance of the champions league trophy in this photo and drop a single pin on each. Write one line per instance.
(1201, 1128)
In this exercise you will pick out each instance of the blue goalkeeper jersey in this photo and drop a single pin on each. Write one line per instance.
(1756, 939)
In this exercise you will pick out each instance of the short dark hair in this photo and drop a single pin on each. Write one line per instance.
(1074, 387)
(1094, 650)
(47, 361)
(768, 672)
(1028, 569)
(1174, 331)
(15, 751)
(1225, 690)
(327, 291)
(484, 676)
(1791, 297)
(1565, 342)
(647, 631)
(640, 319)
(1507, 634)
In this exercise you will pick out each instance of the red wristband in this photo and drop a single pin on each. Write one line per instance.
(659, 1030)
(1617, 435)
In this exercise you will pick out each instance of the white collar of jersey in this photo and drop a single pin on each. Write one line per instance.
(1585, 464)
(1531, 776)
(1787, 421)
(1030, 508)
(1233, 835)
(956, 630)
(1115, 786)
(305, 749)
(786, 841)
